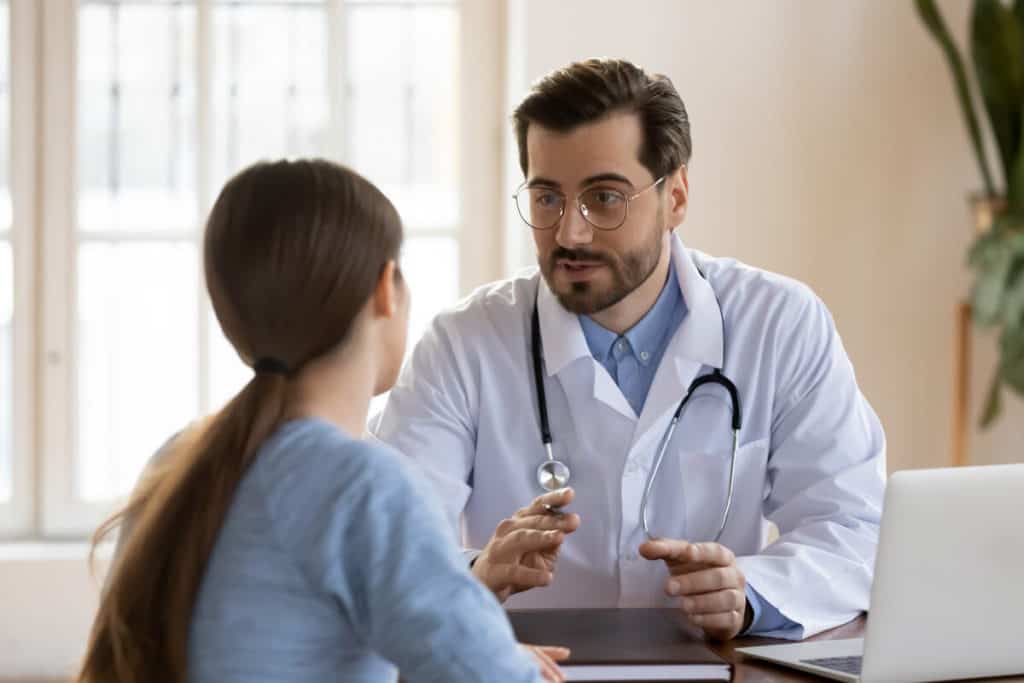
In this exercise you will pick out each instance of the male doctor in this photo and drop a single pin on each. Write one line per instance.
(628, 319)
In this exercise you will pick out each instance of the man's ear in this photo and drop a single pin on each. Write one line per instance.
(385, 295)
(678, 183)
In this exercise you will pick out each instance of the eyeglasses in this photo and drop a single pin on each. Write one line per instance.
(605, 208)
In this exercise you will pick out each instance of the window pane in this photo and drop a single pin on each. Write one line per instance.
(137, 113)
(403, 106)
(269, 83)
(6, 368)
(431, 267)
(137, 380)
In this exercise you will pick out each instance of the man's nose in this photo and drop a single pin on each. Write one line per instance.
(573, 230)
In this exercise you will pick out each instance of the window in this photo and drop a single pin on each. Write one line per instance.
(149, 106)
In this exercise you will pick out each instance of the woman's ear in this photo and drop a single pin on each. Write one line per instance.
(679, 192)
(385, 296)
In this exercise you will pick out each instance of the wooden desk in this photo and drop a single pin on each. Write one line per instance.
(748, 670)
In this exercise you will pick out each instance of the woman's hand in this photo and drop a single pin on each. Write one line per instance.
(547, 656)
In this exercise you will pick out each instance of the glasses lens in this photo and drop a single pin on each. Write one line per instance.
(540, 207)
(603, 207)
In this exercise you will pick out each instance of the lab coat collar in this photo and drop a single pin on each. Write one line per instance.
(698, 339)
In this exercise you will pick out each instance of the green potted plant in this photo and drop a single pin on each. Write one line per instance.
(997, 255)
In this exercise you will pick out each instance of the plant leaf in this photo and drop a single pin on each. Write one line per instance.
(932, 19)
(992, 260)
(996, 51)
(993, 404)
(1013, 297)
(1011, 364)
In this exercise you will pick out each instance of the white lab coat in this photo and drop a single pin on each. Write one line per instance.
(811, 456)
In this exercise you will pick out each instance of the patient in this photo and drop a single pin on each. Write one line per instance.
(269, 543)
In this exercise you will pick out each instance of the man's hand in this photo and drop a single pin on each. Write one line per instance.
(712, 588)
(524, 548)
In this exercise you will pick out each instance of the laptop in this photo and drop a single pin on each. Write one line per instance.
(948, 596)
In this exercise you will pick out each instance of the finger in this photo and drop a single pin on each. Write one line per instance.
(567, 522)
(705, 581)
(549, 669)
(678, 552)
(555, 499)
(686, 567)
(517, 543)
(667, 549)
(712, 603)
(519, 576)
(711, 554)
(722, 625)
(555, 652)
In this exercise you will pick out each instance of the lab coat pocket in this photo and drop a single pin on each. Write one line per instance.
(704, 476)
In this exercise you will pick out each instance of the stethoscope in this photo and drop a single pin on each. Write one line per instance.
(554, 474)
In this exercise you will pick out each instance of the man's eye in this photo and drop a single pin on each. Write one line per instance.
(547, 200)
(607, 198)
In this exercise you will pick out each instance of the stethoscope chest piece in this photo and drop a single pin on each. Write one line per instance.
(553, 475)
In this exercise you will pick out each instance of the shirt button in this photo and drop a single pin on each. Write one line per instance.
(620, 346)
(644, 356)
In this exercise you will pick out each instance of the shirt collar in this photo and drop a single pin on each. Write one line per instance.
(648, 334)
(699, 337)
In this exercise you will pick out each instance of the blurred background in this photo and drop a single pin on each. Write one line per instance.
(828, 146)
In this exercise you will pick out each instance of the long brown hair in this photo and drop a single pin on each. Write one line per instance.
(292, 252)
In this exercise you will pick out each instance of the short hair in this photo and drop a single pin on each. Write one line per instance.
(585, 92)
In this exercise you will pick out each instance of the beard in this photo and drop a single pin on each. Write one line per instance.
(628, 271)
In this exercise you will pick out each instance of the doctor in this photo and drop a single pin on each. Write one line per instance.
(628, 318)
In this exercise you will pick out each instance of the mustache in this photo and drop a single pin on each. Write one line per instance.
(560, 253)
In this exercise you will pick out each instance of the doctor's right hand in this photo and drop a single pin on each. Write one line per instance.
(524, 548)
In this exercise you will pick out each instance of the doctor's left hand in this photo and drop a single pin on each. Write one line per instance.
(712, 588)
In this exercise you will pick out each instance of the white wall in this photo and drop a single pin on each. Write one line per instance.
(48, 596)
(827, 146)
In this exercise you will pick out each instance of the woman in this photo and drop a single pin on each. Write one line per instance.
(270, 543)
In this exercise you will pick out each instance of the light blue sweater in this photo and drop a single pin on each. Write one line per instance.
(333, 565)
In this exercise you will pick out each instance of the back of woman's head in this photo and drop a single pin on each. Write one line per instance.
(293, 252)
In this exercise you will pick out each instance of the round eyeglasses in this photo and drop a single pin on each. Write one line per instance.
(542, 207)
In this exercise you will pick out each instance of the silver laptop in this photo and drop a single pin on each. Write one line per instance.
(948, 597)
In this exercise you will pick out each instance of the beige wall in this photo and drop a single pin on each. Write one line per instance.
(827, 146)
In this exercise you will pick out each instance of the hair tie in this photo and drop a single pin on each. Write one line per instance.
(271, 366)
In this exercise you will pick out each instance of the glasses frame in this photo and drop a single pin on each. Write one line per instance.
(579, 207)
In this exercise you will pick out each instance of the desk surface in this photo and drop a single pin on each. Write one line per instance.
(749, 670)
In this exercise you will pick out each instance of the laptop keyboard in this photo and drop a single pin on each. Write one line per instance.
(848, 665)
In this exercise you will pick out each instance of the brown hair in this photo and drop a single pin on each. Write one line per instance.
(292, 251)
(584, 92)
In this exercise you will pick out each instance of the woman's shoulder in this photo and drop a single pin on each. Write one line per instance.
(311, 457)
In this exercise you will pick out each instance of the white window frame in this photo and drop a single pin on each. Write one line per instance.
(17, 516)
(482, 210)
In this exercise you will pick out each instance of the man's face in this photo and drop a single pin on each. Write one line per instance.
(588, 269)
